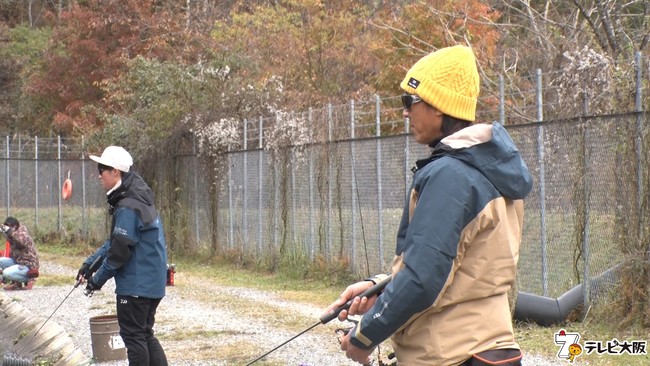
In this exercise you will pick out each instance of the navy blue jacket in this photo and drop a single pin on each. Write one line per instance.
(136, 253)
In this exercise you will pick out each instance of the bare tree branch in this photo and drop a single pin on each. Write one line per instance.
(602, 42)
(608, 26)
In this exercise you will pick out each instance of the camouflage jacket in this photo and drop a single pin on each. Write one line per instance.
(23, 250)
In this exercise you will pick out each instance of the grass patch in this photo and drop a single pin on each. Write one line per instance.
(231, 347)
(311, 291)
(194, 334)
(55, 280)
(256, 308)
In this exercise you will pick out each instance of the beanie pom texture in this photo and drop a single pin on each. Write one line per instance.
(448, 80)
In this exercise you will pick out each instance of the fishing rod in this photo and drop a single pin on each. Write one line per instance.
(326, 318)
(18, 361)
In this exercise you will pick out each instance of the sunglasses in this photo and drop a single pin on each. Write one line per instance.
(409, 99)
(102, 167)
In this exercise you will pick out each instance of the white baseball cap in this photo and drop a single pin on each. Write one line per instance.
(115, 157)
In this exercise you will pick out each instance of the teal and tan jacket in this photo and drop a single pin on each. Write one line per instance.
(456, 255)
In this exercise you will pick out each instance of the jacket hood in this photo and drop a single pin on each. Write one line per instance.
(490, 150)
(133, 186)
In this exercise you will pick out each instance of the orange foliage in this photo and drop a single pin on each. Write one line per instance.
(92, 43)
(318, 48)
(412, 31)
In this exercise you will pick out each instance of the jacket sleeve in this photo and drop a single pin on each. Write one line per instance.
(101, 253)
(444, 207)
(19, 239)
(118, 252)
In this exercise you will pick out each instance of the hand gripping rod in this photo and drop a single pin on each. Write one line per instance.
(92, 269)
(374, 290)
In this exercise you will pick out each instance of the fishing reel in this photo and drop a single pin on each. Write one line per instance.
(388, 360)
(87, 274)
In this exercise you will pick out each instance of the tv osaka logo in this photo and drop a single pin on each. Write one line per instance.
(571, 348)
(569, 343)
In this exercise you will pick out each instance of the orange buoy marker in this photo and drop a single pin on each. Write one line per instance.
(66, 191)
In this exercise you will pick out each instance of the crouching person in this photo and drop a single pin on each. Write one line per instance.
(18, 270)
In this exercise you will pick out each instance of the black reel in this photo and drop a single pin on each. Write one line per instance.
(389, 360)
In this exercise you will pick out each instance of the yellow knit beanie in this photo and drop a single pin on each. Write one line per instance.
(448, 80)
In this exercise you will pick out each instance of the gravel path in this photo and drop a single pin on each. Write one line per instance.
(206, 324)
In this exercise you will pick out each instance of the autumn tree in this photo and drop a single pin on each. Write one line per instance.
(406, 31)
(22, 48)
(93, 43)
(569, 36)
(318, 48)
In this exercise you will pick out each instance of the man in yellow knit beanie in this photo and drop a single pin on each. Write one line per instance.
(458, 240)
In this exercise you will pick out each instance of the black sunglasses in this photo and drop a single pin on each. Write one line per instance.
(409, 99)
(102, 167)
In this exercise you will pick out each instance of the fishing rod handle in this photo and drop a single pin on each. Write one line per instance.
(92, 269)
(374, 290)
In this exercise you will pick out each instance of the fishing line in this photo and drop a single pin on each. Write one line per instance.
(374, 290)
(363, 230)
(42, 325)
(92, 268)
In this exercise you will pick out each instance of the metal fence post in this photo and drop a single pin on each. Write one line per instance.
(542, 191)
(231, 240)
(276, 205)
(260, 188)
(380, 206)
(36, 182)
(293, 198)
(312, 236)
(586, 294)
(84, 209)
(407, 163)
(58, 182)
(8, 185)
(195, 178)
(353, 255)
(244, 231)
(19, 162)
(638, 107)
(502, 101)
(329, 181)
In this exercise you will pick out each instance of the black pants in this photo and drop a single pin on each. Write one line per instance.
(136, 317)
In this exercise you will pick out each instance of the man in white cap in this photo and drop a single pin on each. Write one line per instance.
(135, 255)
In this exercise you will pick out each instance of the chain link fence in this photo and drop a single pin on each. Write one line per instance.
(339, 198)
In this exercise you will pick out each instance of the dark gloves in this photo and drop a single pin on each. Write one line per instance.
(87, 270)
(83, 271)
(91, 287)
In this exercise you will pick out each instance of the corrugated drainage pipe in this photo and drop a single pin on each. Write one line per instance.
(547, 311)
